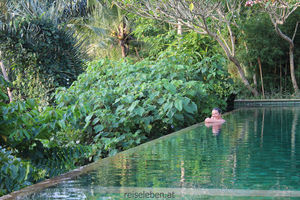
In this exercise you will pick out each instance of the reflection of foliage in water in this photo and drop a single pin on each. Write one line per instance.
(242, 156)
(56, 160)
(36, 165)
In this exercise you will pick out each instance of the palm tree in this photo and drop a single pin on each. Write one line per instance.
(45, 54)
(123, 34)
(105, 26)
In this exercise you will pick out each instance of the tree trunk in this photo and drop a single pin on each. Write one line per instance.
(261, 77)
(233, 59)
(123, 48)
(179, 28)
(123, 36)
(137, 53)
(285, 76)
(255, 81)
(242, 75)
(280, 78)
(9, 92)
(291, 55)
(292, 69)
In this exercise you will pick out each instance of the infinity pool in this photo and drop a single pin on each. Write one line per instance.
(255, 154)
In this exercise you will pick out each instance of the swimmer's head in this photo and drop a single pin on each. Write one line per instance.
(218, 110)
(216, 113)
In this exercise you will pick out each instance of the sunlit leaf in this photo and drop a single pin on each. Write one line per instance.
(191, 6)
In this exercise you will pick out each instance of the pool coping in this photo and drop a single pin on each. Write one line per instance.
(238, 103)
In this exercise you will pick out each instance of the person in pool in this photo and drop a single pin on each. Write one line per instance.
(216, 116)
(215, 121)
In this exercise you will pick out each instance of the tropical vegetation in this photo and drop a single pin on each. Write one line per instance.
(82, 80)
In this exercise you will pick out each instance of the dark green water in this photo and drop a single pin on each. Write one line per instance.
(256, 150)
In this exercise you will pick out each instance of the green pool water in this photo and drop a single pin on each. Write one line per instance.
(255, 155)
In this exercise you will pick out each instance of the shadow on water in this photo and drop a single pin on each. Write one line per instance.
(254, 154)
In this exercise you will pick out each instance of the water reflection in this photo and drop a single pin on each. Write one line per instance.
(293, 137)
(216, 127)
(257, 150)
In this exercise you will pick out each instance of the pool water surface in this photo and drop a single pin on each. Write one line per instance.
(255, 154)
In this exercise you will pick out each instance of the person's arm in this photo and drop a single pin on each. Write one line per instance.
(207, 119)
(211, 120)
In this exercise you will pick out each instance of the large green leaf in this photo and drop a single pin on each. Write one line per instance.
(98, 128)
(190, 108)
(133, 105)
(139, 110)
(178, 104)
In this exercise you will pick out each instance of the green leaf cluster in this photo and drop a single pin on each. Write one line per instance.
(21, 123)
(13, 172)
(160, 38)
(3, 90)
(34, 134)
(120, 104)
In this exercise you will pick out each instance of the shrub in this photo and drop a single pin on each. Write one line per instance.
(118, 104)
(13, 172)
(21, 123)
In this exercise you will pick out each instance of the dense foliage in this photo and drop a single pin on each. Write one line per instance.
(30, 132)
(40, 56)
(157, 37)
(262, 41)
(12, 172)
(119, 104)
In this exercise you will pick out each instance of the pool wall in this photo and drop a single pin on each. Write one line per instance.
(239, 103)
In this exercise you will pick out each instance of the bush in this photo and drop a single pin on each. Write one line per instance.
(118, 104)
(22, 123)
(158, 38)
(30, 132)
(13, 172)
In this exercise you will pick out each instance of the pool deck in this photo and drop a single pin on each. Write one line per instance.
(265, 102)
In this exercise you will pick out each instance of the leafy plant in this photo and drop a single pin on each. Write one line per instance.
(3, 90)
(119, 104)
(23, 122)
(13, 172)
